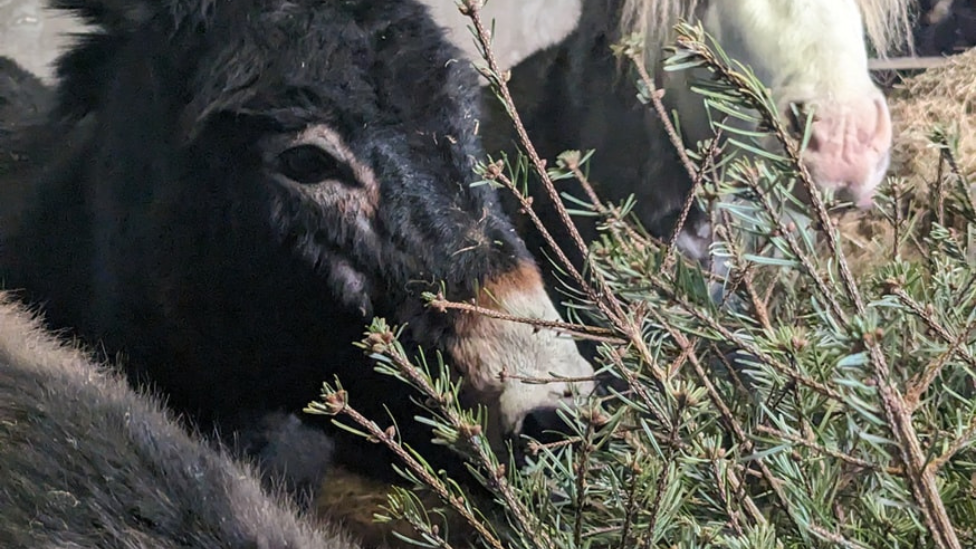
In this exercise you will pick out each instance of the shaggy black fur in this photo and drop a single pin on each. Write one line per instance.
(87, 462)
(22, 95)
(946, 35)
(574, 96)
(24, 100)
(163, 225)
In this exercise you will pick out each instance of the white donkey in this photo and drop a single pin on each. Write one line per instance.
(811, 53)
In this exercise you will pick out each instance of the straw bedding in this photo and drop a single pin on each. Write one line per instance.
(942, 98)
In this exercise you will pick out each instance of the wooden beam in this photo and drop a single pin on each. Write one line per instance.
(906, 63)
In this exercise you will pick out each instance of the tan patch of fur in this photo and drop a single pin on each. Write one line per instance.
(500, 360)
(522, 279)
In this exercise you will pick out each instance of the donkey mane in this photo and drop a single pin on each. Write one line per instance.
(887, 23)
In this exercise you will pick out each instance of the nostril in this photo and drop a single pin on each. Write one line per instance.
(545, 425)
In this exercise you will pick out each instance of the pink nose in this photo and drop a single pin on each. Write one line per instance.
(850, 146)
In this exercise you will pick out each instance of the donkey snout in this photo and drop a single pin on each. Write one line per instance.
(544, 425)
(850, 146)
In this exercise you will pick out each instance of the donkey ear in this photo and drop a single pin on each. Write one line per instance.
(114, 16)
(82, 71)
(127, 16)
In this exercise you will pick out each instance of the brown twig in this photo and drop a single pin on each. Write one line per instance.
(544, 380)
(921, 479)
(656, 95)
(696, 175)
(747, 277)
(958, 444)
(714, 147)
(496, 174)
(577, 330)
(836, 538)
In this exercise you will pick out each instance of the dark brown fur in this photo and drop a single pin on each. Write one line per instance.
(87, 462)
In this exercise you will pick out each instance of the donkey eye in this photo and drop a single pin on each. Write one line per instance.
(308, 164)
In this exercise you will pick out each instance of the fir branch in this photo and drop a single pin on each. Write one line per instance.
(583, 456)
(495, 173)
(571, 161)
(711, 153)
(688, 347)
(633, 504)
(335, 403)
(859, 463)
(749, 347)
(527, 522)
(957, 445)
(921, 479)
(616, 222)
(941, 139)
(927, 316)
(836, 538)
(676, 417)
(543, 380)
(721, 482)
(632, 49)
(786, 232)
(692, 39)
(638, 388)
(610, 307)
(747, 276)
(932, 370)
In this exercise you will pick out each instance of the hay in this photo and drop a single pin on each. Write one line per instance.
(352, 501)
(942, 97)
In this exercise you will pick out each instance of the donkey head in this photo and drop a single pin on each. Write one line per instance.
(812, 55)
(306, 157)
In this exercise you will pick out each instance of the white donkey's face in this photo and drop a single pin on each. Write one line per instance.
(812, 53)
